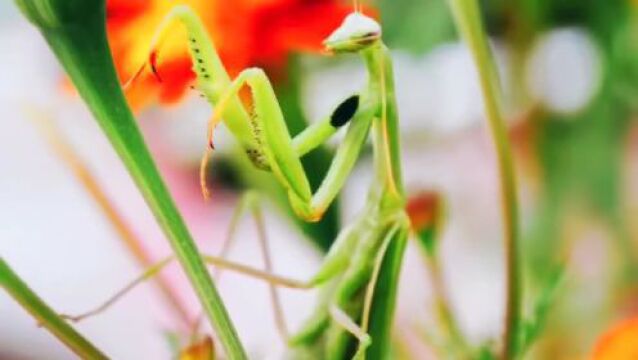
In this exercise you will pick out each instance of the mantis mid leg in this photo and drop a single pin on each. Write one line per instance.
(335, 262)
(249, 202)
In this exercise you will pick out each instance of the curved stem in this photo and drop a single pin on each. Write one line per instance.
(445, 315)
(468, 21)
(45, 316)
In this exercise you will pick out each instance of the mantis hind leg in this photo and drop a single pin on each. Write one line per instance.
(344, 320)
(249, 202)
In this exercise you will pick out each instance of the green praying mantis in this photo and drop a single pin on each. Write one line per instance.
(349, 273)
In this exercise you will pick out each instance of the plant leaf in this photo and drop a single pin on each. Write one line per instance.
(76, 32)
(45, 316)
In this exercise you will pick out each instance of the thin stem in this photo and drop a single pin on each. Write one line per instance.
(444, 312)
(388, 187)
(468, 21)
(45, 316)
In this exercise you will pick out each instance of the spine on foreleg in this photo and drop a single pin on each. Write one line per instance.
(257, 155)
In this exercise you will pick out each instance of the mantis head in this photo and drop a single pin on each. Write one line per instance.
(356, 33)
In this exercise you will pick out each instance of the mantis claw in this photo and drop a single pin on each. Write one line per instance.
(152, 60)
(133, 78)
(203, 171)
(364, 344)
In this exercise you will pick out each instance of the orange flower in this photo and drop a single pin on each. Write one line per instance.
(202, 350)
(619, 343)
(424, 210)
(246, 33)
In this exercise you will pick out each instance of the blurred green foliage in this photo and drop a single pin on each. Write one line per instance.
(582, 155)
(416, 25)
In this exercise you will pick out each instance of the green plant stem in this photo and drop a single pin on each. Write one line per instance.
(76, 32)
(45, 316)
(468, 20)
(447, 320)
(388, 171)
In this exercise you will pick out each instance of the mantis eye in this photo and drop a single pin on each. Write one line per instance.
(356, 33)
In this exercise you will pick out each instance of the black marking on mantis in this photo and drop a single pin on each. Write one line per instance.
(345, 111)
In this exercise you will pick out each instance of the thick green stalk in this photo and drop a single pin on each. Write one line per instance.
(76, 32)
(468, 20)
(389, 185)
(45, 316)
(459, 345)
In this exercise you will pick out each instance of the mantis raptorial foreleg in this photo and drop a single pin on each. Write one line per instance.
(278, 148)
(265, 136)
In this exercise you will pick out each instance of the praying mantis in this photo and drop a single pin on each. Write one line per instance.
(348, 276)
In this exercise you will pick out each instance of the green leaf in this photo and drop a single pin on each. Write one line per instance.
(45, 316)
(426, 210)
(384, 301)
(76, 32)
(485, 352)
(416, 25)
(532, 327)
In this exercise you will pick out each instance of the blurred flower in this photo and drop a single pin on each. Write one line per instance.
(425, 211)
(619, 343)
(202, 350)
(246, 33)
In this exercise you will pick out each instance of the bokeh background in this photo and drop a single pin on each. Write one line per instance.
(569, 73)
